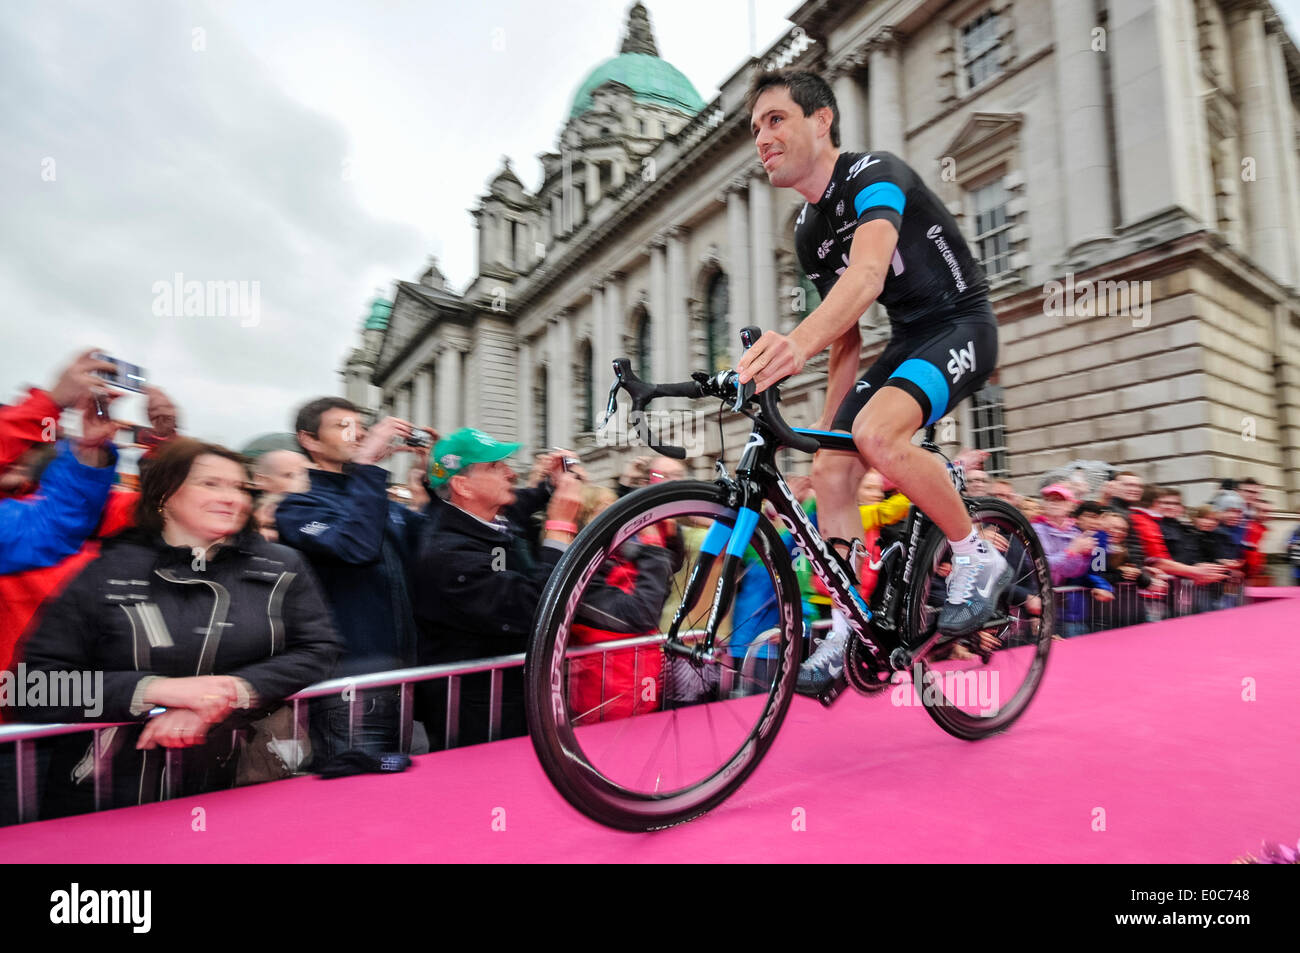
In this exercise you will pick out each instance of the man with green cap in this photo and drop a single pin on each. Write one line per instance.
(477, 582)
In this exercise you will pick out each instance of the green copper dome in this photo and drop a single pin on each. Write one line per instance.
(380, 311)
(651, 80)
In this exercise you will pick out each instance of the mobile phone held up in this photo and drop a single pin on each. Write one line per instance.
(126, 376)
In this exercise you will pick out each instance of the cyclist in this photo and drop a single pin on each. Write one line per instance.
(870, 230)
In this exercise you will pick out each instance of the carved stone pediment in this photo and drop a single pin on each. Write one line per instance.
(982, 130)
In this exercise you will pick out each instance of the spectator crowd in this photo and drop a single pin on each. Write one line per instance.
(219, 586)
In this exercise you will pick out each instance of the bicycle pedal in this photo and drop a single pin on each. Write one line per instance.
(827, 698)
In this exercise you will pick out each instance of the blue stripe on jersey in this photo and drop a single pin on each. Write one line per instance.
(879, 193)
(931, 381)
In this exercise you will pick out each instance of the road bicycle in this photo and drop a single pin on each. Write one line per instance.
(654, 719)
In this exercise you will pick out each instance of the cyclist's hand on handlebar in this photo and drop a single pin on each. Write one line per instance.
(773, 358)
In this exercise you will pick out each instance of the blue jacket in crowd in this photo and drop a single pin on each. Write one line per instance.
(52, 525)
(359, 544)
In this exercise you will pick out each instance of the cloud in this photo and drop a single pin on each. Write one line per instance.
(131, 155)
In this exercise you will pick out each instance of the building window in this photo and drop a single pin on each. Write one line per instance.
(540, 392)
(644, 344)
(586, 385)
(979, 49)
(715, 331)
(988, 431)
(992, 227)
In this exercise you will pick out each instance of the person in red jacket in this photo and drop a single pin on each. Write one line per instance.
(1125, 494)
(36, 419)
(625, 600)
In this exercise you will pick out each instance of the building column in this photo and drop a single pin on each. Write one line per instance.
(763, 301)
(524, 380)
(1284, 123)
(1160, 137)
(848, 97)
(599, 348)
(739, 311)
(679, 320)
(1081, 97)
(659, 322)
(613, 320)
(885, 112)
(449, 390)
(593, 183)
(403, 402)
(422, 408)
(559, 380)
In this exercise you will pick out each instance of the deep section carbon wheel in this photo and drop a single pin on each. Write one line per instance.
(657, 730)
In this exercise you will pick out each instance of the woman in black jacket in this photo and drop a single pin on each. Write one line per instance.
(190, 611)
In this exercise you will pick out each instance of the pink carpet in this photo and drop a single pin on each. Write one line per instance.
(1147, 725)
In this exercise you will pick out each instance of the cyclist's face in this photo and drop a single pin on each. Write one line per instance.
(786, 139)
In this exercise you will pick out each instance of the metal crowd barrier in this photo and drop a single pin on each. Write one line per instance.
(23, 737)
(1078, 611)
(1130, 605)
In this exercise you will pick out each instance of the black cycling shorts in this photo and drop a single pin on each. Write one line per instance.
(939, 364)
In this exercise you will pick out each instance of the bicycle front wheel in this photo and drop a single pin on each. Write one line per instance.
(636, 735)
(978, 685)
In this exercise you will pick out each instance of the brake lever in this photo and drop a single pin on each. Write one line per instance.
(743, 394)
(612, 407)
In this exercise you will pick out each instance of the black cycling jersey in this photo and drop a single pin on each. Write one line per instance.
(933, 275)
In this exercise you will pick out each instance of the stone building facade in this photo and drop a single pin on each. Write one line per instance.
(1127, 170)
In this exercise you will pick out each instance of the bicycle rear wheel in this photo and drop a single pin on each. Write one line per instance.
(978, 685)
(639, 738)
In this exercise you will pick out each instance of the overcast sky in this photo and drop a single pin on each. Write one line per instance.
(321, 149)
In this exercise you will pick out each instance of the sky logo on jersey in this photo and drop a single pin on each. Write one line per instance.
(935, 234)
(962, 361)
(862, 385)
(861, 164)
(802, 212)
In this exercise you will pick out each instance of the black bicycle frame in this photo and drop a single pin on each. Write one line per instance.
(757, 480)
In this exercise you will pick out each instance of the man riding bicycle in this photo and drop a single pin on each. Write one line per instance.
(872, 231)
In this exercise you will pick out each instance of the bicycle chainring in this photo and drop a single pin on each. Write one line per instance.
(867, 675)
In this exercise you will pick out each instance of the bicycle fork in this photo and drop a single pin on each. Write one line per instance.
(730, 543)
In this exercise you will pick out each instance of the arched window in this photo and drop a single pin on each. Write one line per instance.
(717, 305)
(540, 392)
(586, 386)
(644, 344)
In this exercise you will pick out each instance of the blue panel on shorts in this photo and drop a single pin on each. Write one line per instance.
(931, 381)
